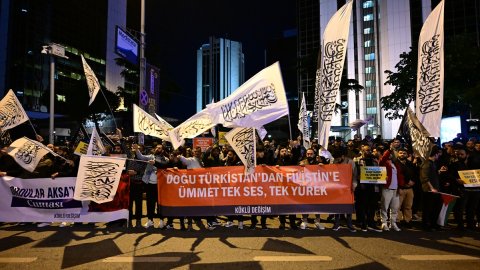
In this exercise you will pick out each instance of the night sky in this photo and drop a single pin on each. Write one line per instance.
(176, 29)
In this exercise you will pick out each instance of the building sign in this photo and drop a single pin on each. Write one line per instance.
(126, 46)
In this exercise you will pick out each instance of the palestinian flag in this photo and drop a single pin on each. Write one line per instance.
(448, 201)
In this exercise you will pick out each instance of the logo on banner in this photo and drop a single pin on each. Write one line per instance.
(429, 91)
(332, 75)
(250, 103)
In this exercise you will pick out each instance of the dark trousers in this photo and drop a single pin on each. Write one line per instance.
(136, 197)
(239, 218)
(263, 220)
(152, 199)
(291, 219)
(432, 204)
(366, 203)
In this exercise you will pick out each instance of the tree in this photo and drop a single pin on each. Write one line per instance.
(461, 81)
(347, 85)
(404, 81)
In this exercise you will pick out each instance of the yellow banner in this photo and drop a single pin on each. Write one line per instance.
(470, 178)
(81, 149)
(373, 175)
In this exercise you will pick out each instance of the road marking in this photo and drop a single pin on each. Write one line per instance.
(122, 259)
(437, 257)
(18, 260)
(292, 258)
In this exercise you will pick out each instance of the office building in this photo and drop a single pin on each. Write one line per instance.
(220, 70)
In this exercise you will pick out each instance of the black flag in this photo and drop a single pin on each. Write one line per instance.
(415, 134)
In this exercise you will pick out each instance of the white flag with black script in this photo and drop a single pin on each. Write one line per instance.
(334, 48)
(163, 122)
(242, 140)
(257, 102)
(429, 98)
(303, 123)
(12, 113)
(191, 128)
(27, 153)
(148, 125)
(98, 178)
(95, 147)
(92, 82)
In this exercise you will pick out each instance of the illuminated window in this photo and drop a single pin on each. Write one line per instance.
(368, 17)
(372, 110)
(369, 70)
(370, 56)
(370, 97)
(368, 43)
(367, 31)
(369, 84)
(61, 98)
(367, 4)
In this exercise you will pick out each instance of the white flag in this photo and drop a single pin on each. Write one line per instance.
(191, 128)
(92, 81)
(98, 178)
(163, 122)
(27, 153)
(257, 102)
(262, 132)
(334, 48)
(95, 147)
(358, 123)
(242, 140)
(12, 113)
(430, 78)
(303, 123)
(148, 125)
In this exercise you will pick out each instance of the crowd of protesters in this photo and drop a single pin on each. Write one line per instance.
(412, 184)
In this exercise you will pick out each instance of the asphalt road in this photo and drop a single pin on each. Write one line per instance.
(115, 247)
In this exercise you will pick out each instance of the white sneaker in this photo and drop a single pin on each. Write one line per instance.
(240, 225)
(394, 226)
(228, 224)
(43, 224)
(216, 223)
(319, 226)
(385, 227)
(148, 224)
(161, 224)
(303, 225)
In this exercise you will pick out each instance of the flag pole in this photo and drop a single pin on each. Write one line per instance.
(108, 104)
(36, 134)
(289, 126)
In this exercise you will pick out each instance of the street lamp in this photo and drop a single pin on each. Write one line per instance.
(53, 50)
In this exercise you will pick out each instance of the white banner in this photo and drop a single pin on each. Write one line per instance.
(334, 48)
(27, 153)
(430, 71)
(148, 125)
(98, 178)
(164, 123)
(92, 81)
(262, 132)
(47, 200)
(95, 147)
(303, 123)
(191, 128)
(242, 140)
(12, 113)
(257, 102)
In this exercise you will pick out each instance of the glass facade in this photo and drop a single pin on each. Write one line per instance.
(308, 44)
(220, 70)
